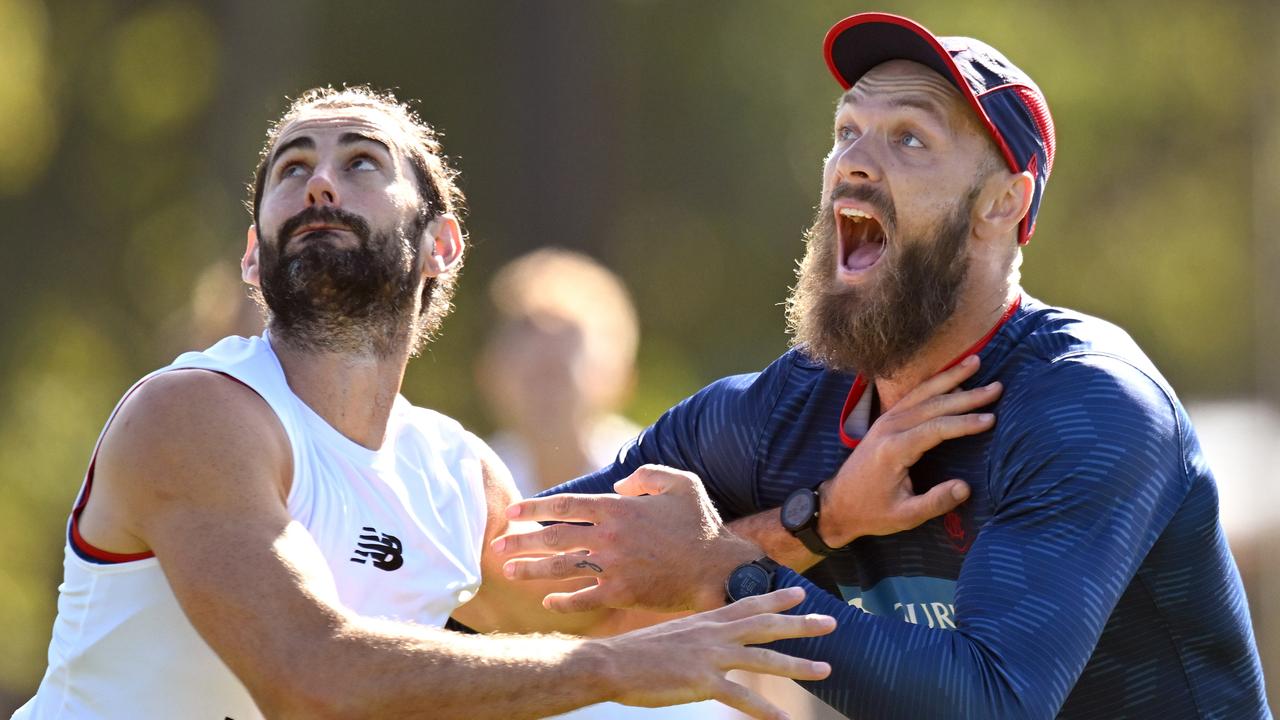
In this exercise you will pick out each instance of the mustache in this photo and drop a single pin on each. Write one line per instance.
(327, 216)
(874, 196)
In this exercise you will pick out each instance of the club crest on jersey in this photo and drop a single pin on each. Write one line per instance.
(385, 551)
(953, 523)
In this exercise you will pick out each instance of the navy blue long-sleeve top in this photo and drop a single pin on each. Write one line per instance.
(1087, 576)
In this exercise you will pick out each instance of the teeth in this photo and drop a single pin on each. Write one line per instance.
(855, 215)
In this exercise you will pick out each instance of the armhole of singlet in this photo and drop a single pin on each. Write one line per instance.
(83, 548)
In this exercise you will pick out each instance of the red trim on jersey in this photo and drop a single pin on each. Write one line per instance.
(78, 543)
(855, 394)
(860, 383)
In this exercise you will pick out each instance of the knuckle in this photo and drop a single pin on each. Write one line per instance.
(559, 566)
(551, 536)
(562, 505)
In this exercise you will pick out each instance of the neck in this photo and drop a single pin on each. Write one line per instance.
(974, 317)
(353, 392)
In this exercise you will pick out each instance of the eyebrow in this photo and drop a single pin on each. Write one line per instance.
(351, 138)
(304, 142)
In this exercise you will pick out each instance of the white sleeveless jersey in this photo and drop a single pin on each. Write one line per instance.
(401, 528)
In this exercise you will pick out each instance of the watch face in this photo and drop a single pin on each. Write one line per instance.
(798, 509)
(747, 581)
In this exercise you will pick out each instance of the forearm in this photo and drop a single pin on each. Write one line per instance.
(885, 668)
(765, 530)
(382, 669)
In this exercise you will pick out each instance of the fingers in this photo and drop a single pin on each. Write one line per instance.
(939, 500)
(557, 567)
(567, 507)
(655, 480)
(772, 662)
(952, 403)
(550, 539)
(773, 602)
(746, 701)
(762, 629)
(913, 443)
(943, 382)
(586, 599)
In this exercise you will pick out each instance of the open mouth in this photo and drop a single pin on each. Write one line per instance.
(862, 239)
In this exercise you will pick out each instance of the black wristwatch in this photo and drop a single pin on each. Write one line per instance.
(751, 578)
(800, 518)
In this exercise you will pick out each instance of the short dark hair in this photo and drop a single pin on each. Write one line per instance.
(437, 180)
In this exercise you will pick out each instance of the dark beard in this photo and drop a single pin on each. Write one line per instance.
(876, 330)
(360, 300)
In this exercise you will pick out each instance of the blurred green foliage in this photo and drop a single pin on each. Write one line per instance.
(678, 142)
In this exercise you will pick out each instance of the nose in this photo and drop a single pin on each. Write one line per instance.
(321, 190)
(857, 163)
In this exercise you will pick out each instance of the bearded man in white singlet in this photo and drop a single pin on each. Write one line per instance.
(267, 528)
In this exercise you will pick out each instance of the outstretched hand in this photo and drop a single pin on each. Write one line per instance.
(710, 644)
(658, 544)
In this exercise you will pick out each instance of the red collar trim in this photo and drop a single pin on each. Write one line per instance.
(860, 383)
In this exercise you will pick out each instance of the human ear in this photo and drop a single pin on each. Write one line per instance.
(1004, 202)
(444, 245)
(249, 271)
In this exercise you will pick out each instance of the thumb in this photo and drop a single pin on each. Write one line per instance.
(650, 480)
(939, 500)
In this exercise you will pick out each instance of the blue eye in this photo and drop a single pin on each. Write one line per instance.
(845, 133)
(291, 169)
(911, 141)
(363, 162)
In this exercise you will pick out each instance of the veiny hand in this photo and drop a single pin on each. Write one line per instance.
(871, 494)
(685, 660)
(659, 544)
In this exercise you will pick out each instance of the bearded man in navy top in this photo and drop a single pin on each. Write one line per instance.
(1029, 533)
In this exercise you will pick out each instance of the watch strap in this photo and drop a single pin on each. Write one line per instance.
(813, 541)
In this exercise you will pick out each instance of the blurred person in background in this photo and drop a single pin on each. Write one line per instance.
(268, 528)
(558, 366)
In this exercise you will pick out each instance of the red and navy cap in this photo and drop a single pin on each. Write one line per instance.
(1006, 100)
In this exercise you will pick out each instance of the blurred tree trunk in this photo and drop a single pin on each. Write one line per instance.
(561, 113)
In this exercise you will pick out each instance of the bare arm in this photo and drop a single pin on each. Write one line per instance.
(203, 467)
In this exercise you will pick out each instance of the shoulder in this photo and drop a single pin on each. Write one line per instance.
(1056, 357)
(1090, 412)
(1047, 333)
(756, 393)
(176, 426)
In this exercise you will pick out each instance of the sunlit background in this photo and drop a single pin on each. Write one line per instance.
(677, 142)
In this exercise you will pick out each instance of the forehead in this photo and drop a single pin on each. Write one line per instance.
(910, 84)
(320, 123)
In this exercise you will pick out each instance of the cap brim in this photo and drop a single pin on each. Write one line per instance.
(858, 43)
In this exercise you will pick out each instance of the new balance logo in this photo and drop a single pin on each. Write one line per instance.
(384, 550)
